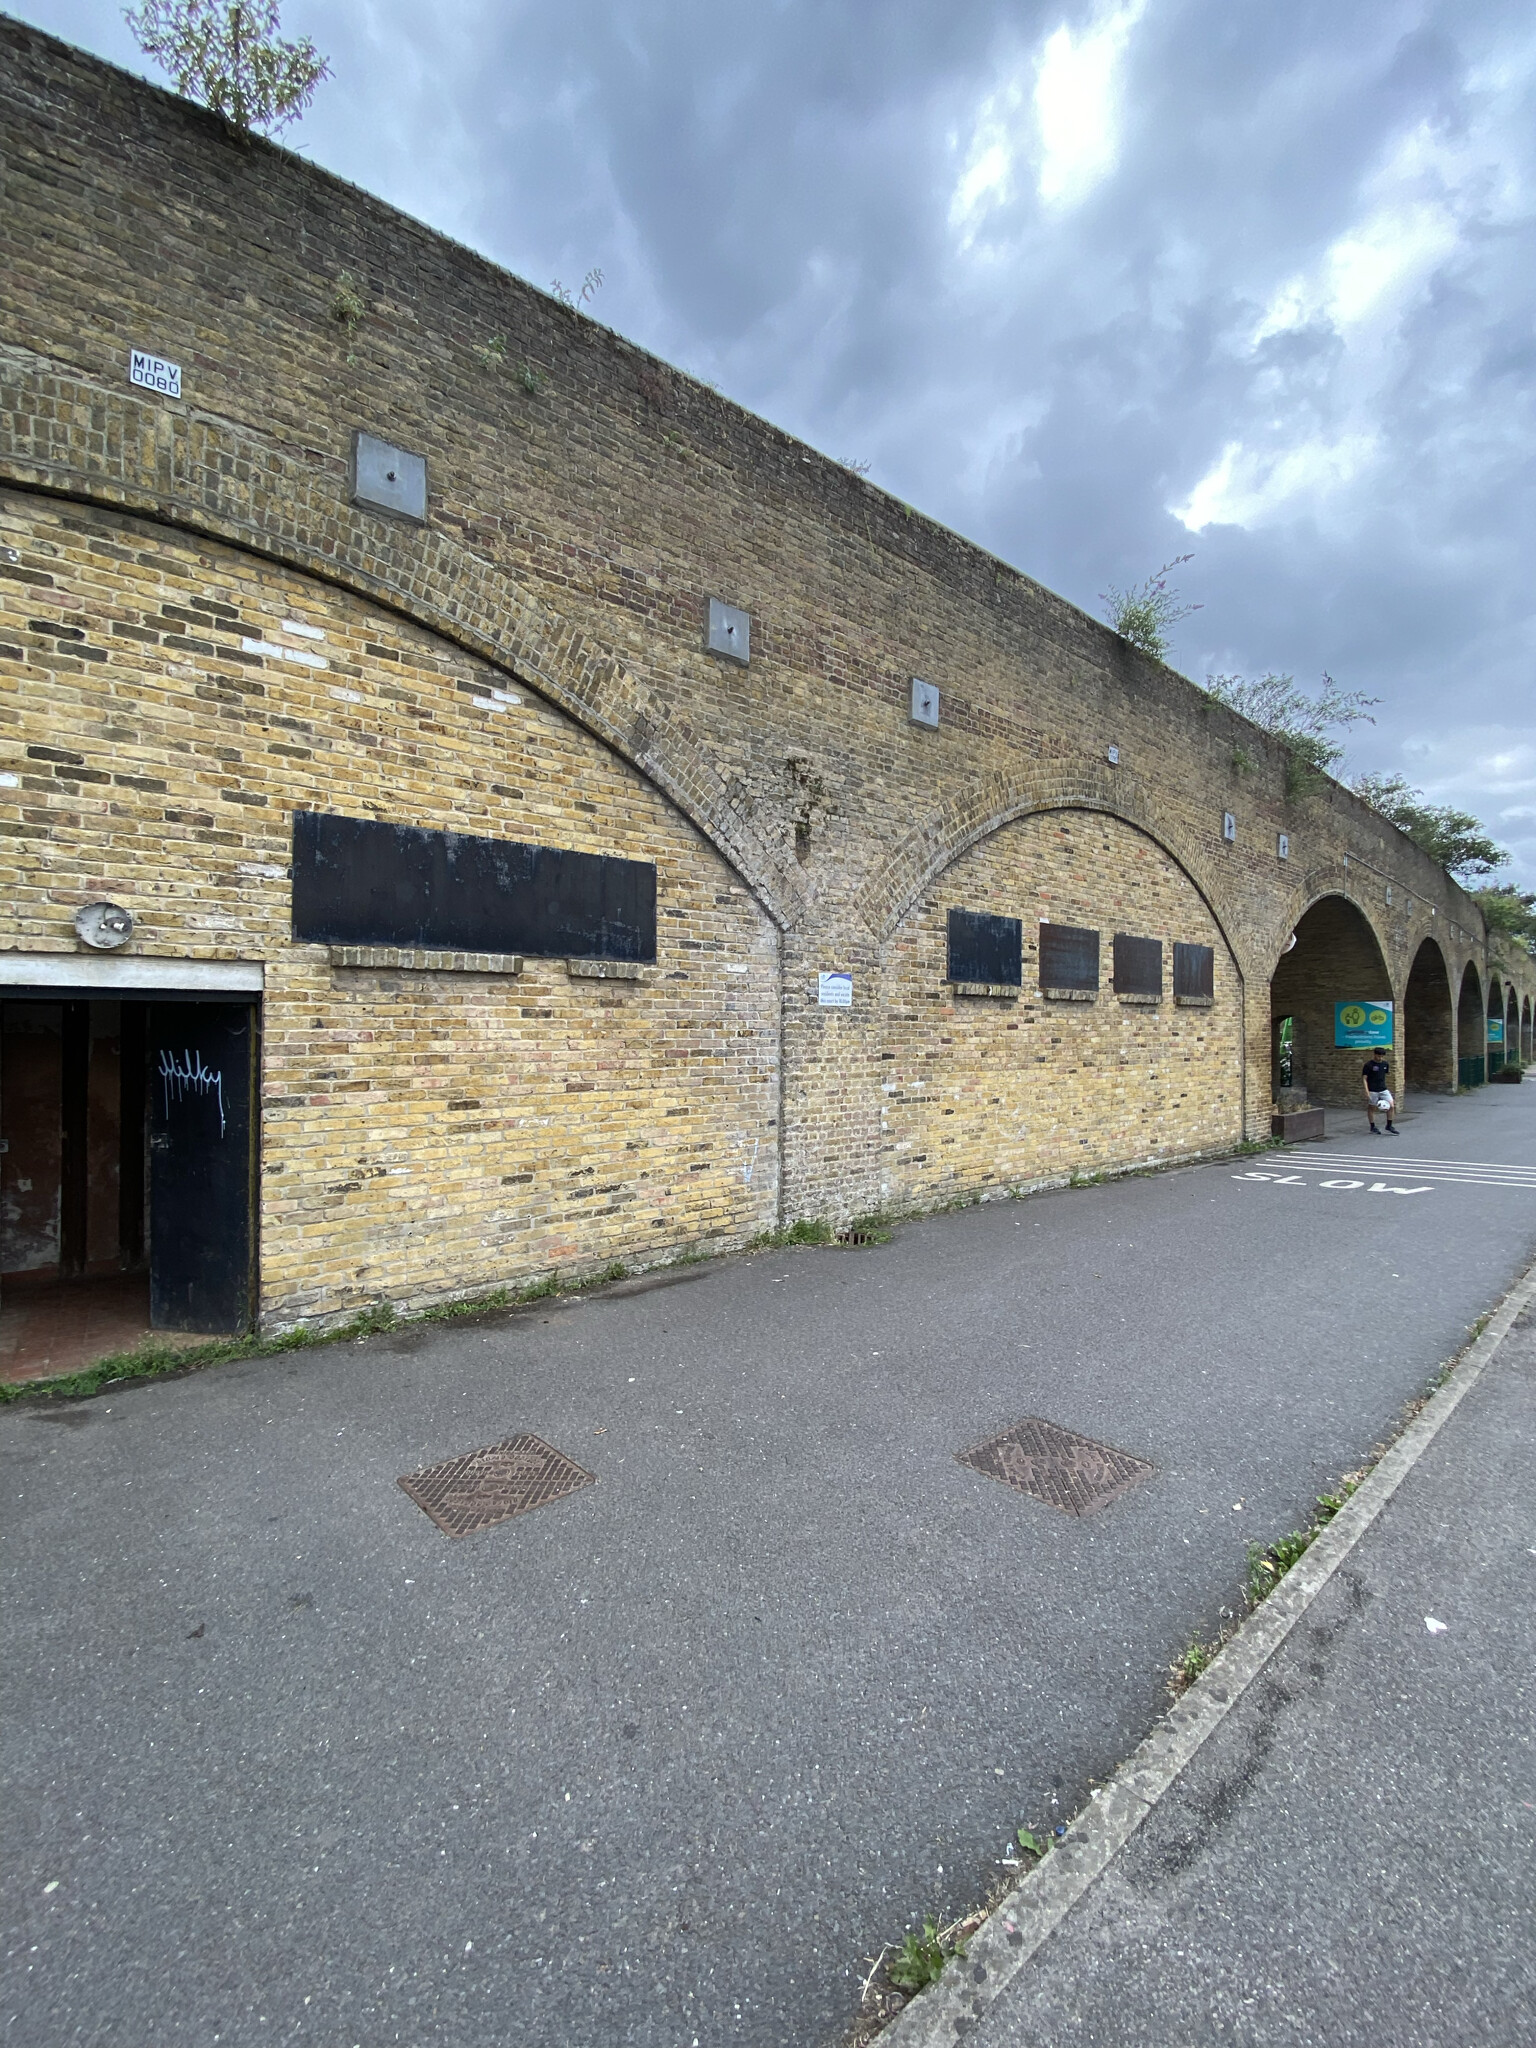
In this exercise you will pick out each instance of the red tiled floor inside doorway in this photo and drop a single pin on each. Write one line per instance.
(50, 1325)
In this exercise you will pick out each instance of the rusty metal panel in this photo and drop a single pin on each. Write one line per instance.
(1069, 957)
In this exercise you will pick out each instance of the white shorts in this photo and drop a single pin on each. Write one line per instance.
(1383, 1101)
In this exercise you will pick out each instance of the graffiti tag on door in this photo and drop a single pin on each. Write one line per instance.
(186, 1073)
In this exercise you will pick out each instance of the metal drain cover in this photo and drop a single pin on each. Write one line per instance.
(1056, 1465)
(490, 1486)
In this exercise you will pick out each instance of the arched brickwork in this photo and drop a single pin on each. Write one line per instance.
(1429, 1037)
(1471, 1030)
(209, 476)
(998, 1090)
(992, 803)
(1338, 957)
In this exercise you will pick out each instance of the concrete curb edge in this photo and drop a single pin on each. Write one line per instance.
(1019, 1926)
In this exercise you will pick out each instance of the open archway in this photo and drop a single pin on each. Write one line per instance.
(1336, 965)
(1494, 1026)
(1471, 1031)
(1428, 1037)
(1513, 1050)
(1525, 1033)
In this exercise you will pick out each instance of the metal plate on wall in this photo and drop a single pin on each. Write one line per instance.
(1056, 1465)
(492, 1485)
(388, 479)
(730, 631)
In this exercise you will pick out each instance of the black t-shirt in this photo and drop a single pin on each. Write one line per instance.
(1375, 1072)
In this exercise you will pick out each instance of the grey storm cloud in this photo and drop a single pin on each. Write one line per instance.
(1096, 285)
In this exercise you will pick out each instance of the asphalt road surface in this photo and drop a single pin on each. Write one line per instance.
(667, 1760)
(1350, 1860)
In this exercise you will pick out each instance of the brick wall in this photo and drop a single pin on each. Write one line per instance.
(422, 1133)
(579, 518)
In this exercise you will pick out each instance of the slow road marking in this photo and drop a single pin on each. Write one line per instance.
(1436, 1172)
(1297, 1180)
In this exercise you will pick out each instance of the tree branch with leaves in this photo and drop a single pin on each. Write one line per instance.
(1304, 724)
(229, 55)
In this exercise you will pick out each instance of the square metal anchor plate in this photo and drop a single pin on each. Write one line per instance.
(1056, 1465)
(492, 1485)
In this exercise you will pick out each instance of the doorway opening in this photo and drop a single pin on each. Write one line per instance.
(1428, 1041)
(1471, 1029)
(1333, 964)
(127, 1145)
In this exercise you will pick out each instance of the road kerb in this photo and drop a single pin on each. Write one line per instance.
(950, 2009)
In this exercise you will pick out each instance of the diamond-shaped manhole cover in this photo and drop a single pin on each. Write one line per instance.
(1056, 1465)
(490, 1486)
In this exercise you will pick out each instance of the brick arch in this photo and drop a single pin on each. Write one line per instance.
(210, 476)
(999, 800)
(1331, 879)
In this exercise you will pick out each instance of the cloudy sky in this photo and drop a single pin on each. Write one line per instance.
(1095, 284)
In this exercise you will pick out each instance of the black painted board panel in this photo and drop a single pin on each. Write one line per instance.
(359, 882)
(986, 948)
(1194, 970)
(201, 1166)
(1069, 957)
(1138, 966)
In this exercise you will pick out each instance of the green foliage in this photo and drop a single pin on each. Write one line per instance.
(1303, 724)
(1269, 1563)
(348, 306)
(808, 1230)
(493, 354)
(1191, 1662)
(1454, 838)
(228, 54)
(1031, 1843)
(1510, 913)
(1148, 612)
(920, 1960)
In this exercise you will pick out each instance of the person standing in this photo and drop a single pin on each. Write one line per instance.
(1378, 1096)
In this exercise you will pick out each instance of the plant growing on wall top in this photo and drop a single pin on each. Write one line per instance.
(1147, 613)
(229, 55)
(1303, 724)
(1454, 838)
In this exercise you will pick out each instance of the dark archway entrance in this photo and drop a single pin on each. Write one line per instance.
(1525, 1033)
(1428, 1041)
(1513, 1052)
(1471, 1031)
(1494, 1027)
(1335, 960)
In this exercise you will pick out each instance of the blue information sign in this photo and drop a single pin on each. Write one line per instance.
(1495, 1030)
(1363, 1025)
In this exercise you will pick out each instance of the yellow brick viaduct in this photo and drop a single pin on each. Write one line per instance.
(586, 501)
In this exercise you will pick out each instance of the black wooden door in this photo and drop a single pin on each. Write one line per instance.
(201, 1165)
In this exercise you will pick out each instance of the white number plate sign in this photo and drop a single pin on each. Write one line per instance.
(154, 373)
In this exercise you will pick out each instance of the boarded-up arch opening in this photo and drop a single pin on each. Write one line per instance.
(1059, 1000)
(1429, 1047)
(1471, 1031)
(1335, 966)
